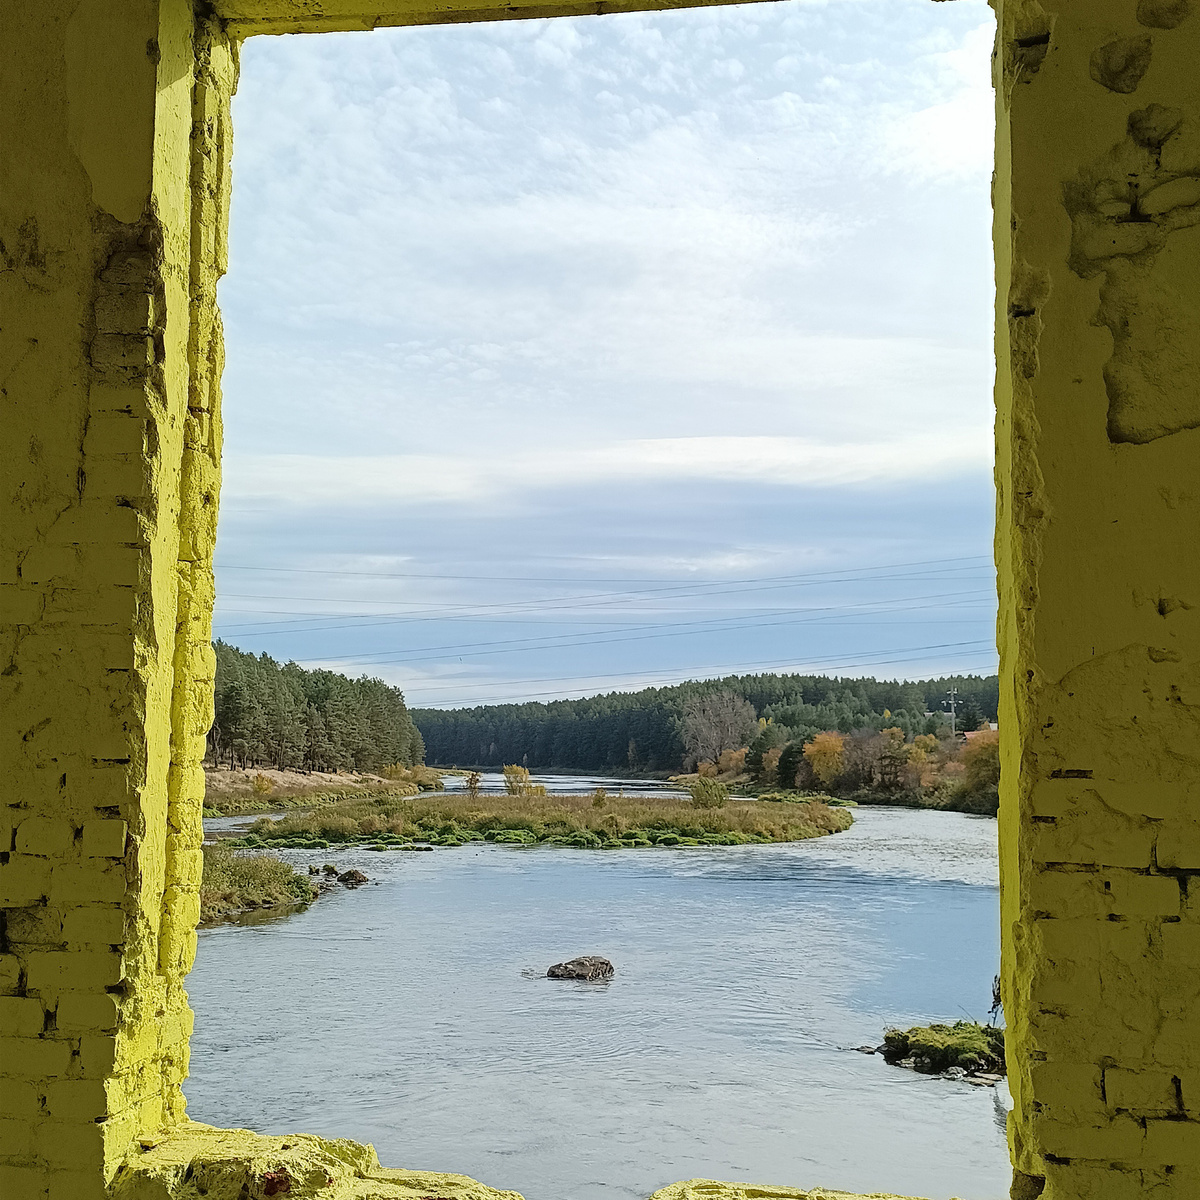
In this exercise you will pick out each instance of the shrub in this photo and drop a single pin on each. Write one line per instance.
(708, 793)
(261, 785)
(732, 762)
(518, 783)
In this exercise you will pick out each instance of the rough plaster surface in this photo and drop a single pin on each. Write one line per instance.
(712, 1189)
(1098, 170)
(198, 1162)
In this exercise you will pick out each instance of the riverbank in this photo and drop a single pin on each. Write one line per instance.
(947, 800)
(230, 793)
(586, 822)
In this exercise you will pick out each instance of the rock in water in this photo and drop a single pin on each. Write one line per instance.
(352, 879)
(588, 967)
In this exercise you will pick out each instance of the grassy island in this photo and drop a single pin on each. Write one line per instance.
(932, 1049)
(235, 883)
(599, 822)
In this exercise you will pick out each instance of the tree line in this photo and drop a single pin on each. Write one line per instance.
(280, 715)
(664, 729)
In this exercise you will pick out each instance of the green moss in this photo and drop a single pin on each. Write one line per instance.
(935, 1048)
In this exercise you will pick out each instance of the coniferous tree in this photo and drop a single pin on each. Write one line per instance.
(285, 716)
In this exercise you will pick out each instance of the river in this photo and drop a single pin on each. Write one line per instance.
(414, 1013)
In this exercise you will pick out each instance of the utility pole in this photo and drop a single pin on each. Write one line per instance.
(952, 705)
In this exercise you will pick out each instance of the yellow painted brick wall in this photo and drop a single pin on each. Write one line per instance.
(1098, 437)
(114, 129)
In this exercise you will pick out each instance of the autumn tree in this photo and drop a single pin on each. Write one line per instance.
(981, 760)
(825, 754)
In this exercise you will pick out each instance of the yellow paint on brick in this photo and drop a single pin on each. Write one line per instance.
(712, 1189)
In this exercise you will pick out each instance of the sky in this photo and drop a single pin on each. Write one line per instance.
(579, 355)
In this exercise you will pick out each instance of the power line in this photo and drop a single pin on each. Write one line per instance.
(775, 668)
(671, 629)
(690, 589)
(368, 620)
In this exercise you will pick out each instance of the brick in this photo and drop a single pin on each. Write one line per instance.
(77, 1185)
(35, 925)
(1067, 894)
(77, 1100)
(1173, 1142)
(1178, 844)
(97, 1056)
(1181, 943)
(1119, 1140)
(104, 839)
(22, 1183)
(90, 882)
(1143, 895)
(75, 1144)
(1068, 1088)
(94, 1011)
(10, 974)
(18, 1099)
(21, 1016)
(116, 477)
(24, 879)
(16, 1138)
(101, 522)
(72, 970)
(50, 836)
(107, 435)
(34, 1058)
(45, 563)
(1144, 1091)
(1154, 798)
(1099, 839)
(94, 924)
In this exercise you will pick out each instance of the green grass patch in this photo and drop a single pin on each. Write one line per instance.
(935, 1048)
(234, 883)
(452, 819)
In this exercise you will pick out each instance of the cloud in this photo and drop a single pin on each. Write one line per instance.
(953, 138)
(327, 481)
(664, 294)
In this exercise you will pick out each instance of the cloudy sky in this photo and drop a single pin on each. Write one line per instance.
(574, 355)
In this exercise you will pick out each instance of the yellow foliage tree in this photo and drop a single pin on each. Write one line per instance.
(825, 754)
(731, 762)
(981, 760)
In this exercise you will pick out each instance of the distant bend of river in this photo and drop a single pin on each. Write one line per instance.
(414, 1013)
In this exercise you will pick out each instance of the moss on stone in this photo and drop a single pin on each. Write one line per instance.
(937, 1048)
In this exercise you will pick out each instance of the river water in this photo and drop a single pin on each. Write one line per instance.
(414, 1013)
